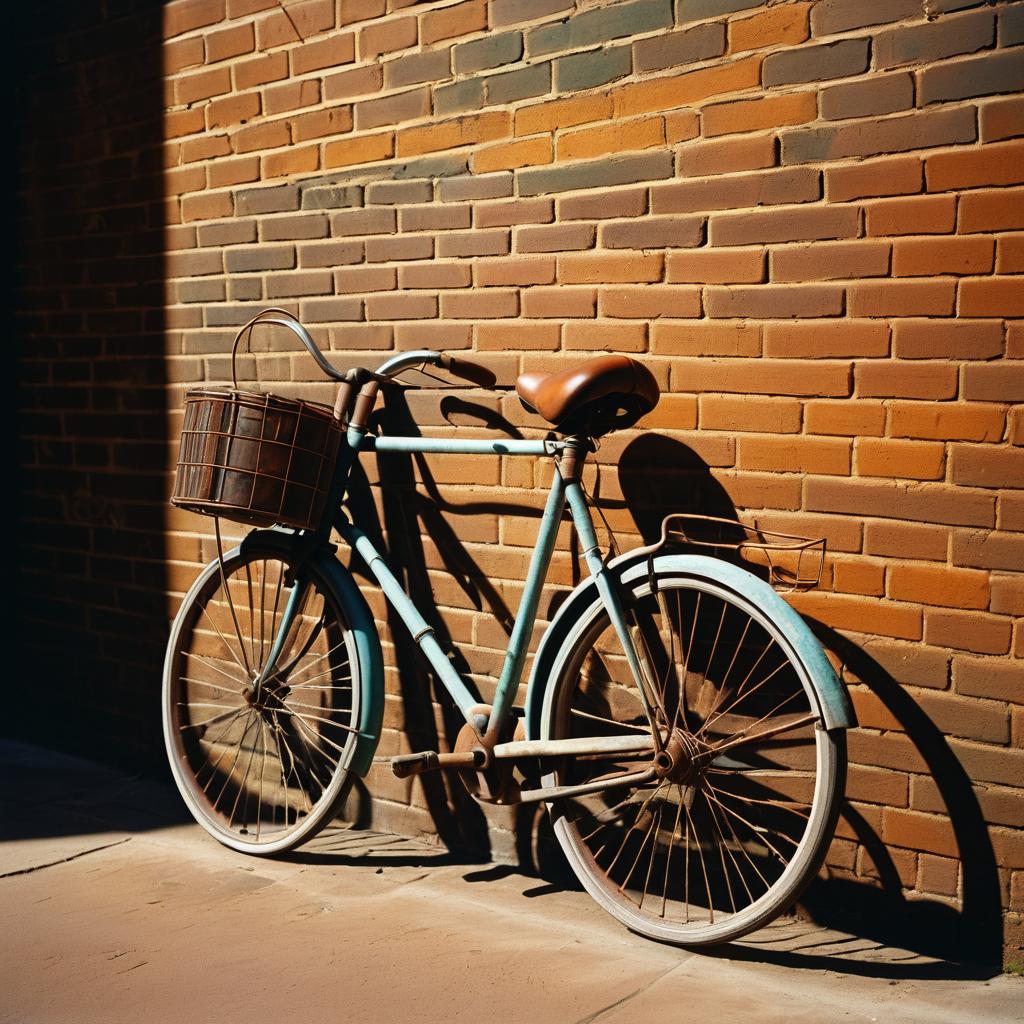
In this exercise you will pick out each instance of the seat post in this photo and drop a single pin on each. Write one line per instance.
(569, 461)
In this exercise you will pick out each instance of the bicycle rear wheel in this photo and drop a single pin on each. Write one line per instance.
(261, 768)
(741, 804)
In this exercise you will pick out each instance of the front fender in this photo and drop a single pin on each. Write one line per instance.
(303, 547)
(833, 700)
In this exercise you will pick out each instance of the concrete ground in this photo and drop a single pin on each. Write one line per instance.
(114, 909)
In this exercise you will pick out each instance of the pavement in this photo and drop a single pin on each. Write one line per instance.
(115, 908)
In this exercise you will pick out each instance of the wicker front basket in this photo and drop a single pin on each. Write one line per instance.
(255, 458)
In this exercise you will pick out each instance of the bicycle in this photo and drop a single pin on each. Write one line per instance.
(682, 724)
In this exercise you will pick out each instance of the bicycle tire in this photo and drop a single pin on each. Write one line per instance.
(592, 693)
(305, 746)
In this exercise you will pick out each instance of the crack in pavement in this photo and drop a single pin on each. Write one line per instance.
(64, 860)
(597, 1014)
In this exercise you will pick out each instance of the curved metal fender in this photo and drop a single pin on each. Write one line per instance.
(835, 707)
(360, 619)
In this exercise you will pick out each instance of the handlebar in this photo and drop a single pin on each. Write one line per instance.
(472, 372)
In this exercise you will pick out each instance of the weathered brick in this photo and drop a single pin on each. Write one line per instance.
(586, 268)
(681, 90)
(462, 131)
(515, 211)
(270, 68)
(521, 270)
(191, 14)
(605, 337)
(432, 66)
(305, 225)
(671, 49)
(764, 112)
(514, 12)
(229, 42)
(771, 188)
(931, 41)
(587, 70)
(748, 413)
(967, 631)
(302, 20)
(601, 25)
(357, 82)
(705, 338)
(364, 222)
(901, 298)
(783, 225)
(913, 460)
(816, 63)
(279, 99)
(201, 86)
(329, 197)
(844, 418)
(942, 422)
(831, 16)
(459, 96)
(267, 200)
(917, 215)
(919, 130)
(724, 156)
(489, 186)
(338, 48)
(653, 233)
(432, 217)
(473, 243)
(330, 254)
(386, 37)
(985, 465)
(988, 550)
(533, 80)
(621, 203)
(319, 282)
(974, 76)
(649, 302)
(697, 10)
(991, 210)
(882, 95)
(595, 174)
(320, 311)
(391, 110)
(512, 155)
(795, 455)
(490, 52)
(640, 133)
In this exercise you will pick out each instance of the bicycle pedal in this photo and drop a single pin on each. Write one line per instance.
(405, 765)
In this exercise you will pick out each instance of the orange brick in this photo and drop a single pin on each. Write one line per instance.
(998, 296)
(229, 42)
(922, 257)
(890, 176)
(673, 412)
(587, 268)
(291, 161)
(463, 131)
(183, 122)
(913, 831)
(795, 455)
(233, 172)
(1001, 118)
(649, 303)
(559, 302)
(999, 164)
(724, 156)
(605, 337)
(861, 614)
(363, 149)
(260, 70)
(555, 114)
(509, 155)
(911, 460)
(1010, 254)
(683, 90)
(206, 206)
(918, 215)
(716, 266)
(787, 23)
(765, 112)
(829, 261)
(939, 584)
(681, 126)
(386, 36)
(643, 133)
(947, 422)
(820, 339)
(858, 577)
(232, 110)
(998, 209)
(750, 413)
(701, 338)
(513, 335)
(517, 270)
(459, 20)
(847, 419)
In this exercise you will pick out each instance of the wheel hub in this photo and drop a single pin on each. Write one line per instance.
(680, 759)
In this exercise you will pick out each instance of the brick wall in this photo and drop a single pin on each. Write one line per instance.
(807, 218)
(88, 613)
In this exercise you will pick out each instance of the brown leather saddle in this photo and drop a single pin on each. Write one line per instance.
(603, 394)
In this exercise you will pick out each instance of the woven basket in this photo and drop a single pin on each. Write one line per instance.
(255, 458)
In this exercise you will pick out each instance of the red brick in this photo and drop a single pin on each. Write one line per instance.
(885, 379)
(270, 68)
(764, 112)
(489, 305)
(555, 238)
(967, 631)
(763, 376)
(1010, 254)
(338, 48)
(985, 465)
(229, 42)
(862, 615)
(183, 53)
(957, 339)
(1001, 118)
(941, 585)
(725, 156)
(186, 15)
(826, 339)
(906, 540)
(202, 86)
(773, 301)
(301, 21)
(232, 110)
(923, 257)
(386, 36)
(280, 99)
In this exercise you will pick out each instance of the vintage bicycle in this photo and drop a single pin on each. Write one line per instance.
(682, 724)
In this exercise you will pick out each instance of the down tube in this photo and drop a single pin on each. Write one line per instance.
(519, 642)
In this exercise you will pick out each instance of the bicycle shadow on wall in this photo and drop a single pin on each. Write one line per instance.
(657, 472)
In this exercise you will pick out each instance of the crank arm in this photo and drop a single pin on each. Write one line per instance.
(639, 744)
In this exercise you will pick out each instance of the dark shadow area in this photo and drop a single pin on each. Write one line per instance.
(90, 614)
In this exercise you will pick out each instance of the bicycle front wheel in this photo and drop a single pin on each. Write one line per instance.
(736, 812)
(261, 767)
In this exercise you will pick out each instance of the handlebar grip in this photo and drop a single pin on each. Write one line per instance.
(473, 372)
